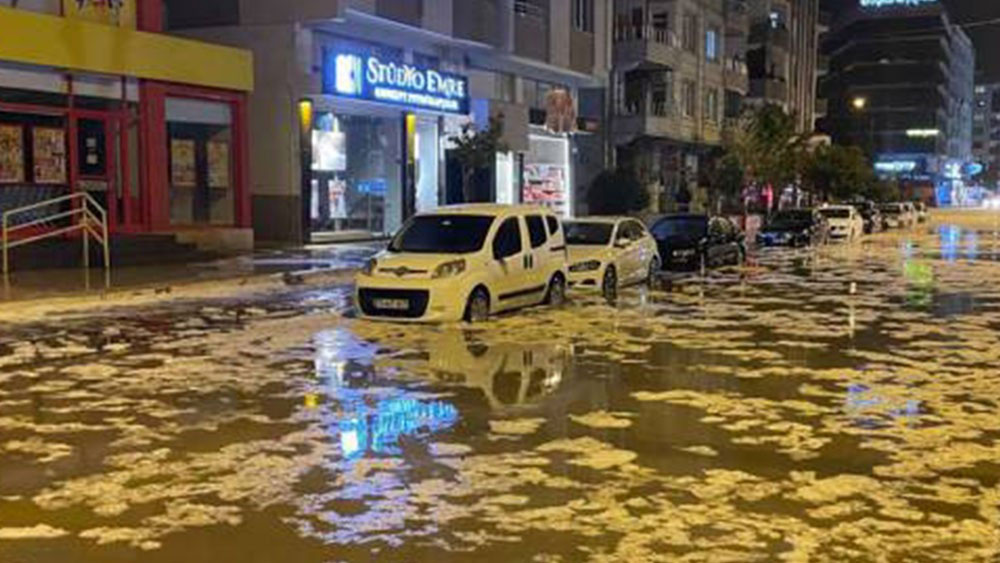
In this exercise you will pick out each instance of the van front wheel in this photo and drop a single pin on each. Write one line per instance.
(477, 310)
(556, 294)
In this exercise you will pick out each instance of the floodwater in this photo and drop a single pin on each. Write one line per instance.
(832, 405)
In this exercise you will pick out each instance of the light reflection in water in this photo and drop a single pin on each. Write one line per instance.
(865, 405)
(368, 419)
(951, 237)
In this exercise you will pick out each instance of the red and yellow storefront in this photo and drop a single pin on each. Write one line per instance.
(97, 99)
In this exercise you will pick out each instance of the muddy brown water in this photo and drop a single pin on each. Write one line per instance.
(838, 404)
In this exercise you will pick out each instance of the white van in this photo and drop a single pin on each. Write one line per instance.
(466, 262)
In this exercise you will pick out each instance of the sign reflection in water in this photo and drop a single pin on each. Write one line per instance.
(368, 418)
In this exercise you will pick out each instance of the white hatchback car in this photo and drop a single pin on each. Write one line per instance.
(610, 252)
(844, 220)
(466, 262)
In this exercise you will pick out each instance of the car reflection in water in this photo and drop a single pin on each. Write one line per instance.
(380, 398)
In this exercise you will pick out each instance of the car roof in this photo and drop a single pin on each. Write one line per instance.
(681, 216)
(606, 219)
(837, 206)
(494, 209)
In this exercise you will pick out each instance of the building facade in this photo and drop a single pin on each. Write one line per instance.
(95, 98)
(358, 102)
(679, 76)
(900, 85)
(783, 56)
(986, 132)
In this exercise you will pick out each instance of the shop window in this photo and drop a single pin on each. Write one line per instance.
(200, 162)
(507, 241)
(546, 179)
(356, 177)
(505, 85)
(33, 162)
(536, 230)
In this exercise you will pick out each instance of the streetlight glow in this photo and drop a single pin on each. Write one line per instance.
(859, 103)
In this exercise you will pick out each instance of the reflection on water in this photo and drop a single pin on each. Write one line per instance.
(378, 428)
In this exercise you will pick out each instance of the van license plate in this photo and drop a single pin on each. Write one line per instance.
(392, 304)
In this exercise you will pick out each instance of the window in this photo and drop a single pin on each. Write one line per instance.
(688, 98)
(553, 224)
(712, 44)
(536, 230)
(443, 234)
(588, 234)
(583, 15)
(504, 86)
(507, 241)
(690, 33)
(717, 229)
(638, 230)
(712, 105)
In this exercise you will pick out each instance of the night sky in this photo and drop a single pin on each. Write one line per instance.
(986, 38)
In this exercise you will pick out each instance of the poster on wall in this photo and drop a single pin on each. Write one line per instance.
(337, 190)
(182, 166)
(49, 154)
(11, 154)
(545, 184)
(329, 151)
(218, 164)
(120, 13)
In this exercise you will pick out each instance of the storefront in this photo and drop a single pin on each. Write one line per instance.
(157, 139)
(375, 139)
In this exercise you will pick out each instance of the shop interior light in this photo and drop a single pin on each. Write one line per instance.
(923, 132)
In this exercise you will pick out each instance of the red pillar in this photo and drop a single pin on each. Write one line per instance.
(153, 149)
(150, 15)
(241, 163)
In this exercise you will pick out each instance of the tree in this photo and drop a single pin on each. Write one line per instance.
(838, 172)
(767, 143)
(476, 149)
(617, 192)
(883, 191)
(727, 179)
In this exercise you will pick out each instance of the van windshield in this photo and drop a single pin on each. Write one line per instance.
(442, 234)
(836, 213)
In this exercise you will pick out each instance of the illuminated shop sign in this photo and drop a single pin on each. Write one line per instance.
(391, 82)
(896, 166)
(894, 3)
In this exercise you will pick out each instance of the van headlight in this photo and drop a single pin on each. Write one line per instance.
(588, 266)
(449, 269)
(369, 267)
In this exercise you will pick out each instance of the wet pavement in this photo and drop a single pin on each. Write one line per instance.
(832, 405)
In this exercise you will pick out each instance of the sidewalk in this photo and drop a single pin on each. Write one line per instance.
(47, 284)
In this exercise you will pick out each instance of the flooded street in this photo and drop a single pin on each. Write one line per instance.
(840, 404)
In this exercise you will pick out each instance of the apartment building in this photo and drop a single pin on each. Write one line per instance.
(358, 100)
(96, 100)
(679, 74)
(986, 130)
(783, 56)
(901, 86)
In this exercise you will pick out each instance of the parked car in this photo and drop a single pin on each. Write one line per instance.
(609, 252)
(911, 210)
(845, 221)
(895, 216)
(794, 227)
(686, 241)
(466, 262)
(871, 216)
(923, 214)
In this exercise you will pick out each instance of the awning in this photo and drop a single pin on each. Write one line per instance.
(76, 45)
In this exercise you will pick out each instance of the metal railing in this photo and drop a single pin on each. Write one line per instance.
(85, 215)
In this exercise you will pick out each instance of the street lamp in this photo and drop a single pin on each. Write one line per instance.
(859, 103)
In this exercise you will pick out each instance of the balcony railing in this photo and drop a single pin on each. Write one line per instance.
(629, 32)
(651, 105)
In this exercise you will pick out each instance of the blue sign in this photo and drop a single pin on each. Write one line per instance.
(367, 77)
(893, 3)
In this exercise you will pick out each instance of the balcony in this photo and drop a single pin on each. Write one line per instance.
(737, 17)
(770, 89)
(410, 12)
(637, 44)
(734, 74)
(764, 33)
(531, 30)
(476, 20)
